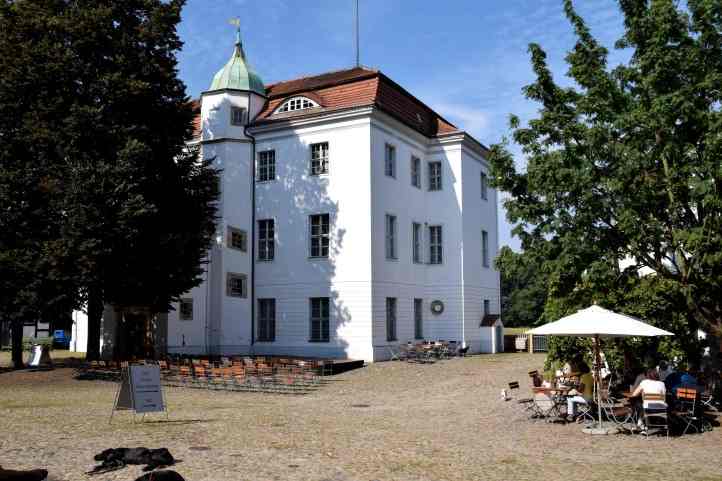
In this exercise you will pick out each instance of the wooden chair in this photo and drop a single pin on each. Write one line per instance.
(239, 376)
(184, 375)
(654, 410)
(526, 402)
(686, 408)
(200, 376)
(215, 379)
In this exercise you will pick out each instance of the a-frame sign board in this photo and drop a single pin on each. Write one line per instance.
(140, 390)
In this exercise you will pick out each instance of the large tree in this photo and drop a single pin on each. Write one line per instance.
(627, 164)
(105, 203)
(524, 287)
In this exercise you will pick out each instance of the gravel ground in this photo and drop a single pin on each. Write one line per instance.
(388, 421)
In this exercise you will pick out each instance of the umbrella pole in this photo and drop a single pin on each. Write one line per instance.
(598, 362)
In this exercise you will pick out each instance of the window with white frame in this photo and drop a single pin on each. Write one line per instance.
(390, 161)
(185, 309)
(319, 230)
(266, 239)
(434, 175)
(320, 319)
(390, 236)
(266, 320)
(485, 248)
(296, 103)
(416, 172)
(390, 318)
(435, 244)
(487, 307)
(236, 285)
(238, 116)
(266, 168)
(319, 158)
(237, 239)
(484, 186)
(416, 242)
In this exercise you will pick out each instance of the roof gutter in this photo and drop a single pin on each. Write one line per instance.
(253, 232)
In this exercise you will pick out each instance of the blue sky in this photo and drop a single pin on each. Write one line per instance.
(467, 59)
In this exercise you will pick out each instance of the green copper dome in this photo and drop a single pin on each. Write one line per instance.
(237, 74)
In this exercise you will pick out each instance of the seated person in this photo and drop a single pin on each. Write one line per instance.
(640, 377)
(664, 370)
(680, 379)
(583, 395)
(651, 385)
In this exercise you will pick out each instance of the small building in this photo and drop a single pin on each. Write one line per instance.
(492, 334)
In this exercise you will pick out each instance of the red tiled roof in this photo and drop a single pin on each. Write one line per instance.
(355, 87)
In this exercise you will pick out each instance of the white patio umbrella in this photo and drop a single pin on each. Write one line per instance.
(598, 322)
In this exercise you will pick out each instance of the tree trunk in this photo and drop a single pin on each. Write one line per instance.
(17, 343)
(95, 316)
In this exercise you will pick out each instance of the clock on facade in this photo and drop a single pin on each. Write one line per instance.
(437, 307)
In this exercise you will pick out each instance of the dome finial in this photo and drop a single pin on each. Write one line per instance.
(239, 45)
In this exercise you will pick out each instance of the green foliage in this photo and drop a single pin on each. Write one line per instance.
(651, 298)
(626, 165)
(98, 192)
(523, 288)
(28, 342)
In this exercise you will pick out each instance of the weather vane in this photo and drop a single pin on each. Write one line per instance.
(236, 22)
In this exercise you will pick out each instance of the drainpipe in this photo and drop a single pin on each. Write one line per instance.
(253, 228)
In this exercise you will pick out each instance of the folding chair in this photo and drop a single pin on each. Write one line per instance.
(655, 413)
(686, 405)
(452, 349)
(544, 405)
(394, 352)
(706, 399)
(526, 402)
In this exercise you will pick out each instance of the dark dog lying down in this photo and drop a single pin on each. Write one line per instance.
(112, 459)
(161, 476)
(32, 475)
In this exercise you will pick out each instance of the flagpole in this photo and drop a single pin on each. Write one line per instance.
(358, 61)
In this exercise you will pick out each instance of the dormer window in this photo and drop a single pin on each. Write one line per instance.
(296, 103)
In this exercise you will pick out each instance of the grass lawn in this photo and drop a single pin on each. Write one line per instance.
(56, 354)
(387, 421)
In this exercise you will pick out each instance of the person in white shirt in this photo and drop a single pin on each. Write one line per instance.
(651, 385)
(637, 381)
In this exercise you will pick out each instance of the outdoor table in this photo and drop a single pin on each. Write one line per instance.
(557, 396)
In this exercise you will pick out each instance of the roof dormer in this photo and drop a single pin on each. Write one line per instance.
(298, 102)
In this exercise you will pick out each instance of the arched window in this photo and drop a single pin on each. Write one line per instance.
(296, 103)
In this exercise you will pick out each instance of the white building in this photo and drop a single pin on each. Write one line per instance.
(351, 217)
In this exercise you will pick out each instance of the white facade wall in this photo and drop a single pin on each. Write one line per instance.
(292, 278)
(480, 282)
(356, 277)
(402, 278)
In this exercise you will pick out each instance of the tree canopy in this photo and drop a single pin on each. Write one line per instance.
(101, 196)
(523, 288)
(626, 165)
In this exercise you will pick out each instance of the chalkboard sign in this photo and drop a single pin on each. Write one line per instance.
(140, 390)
